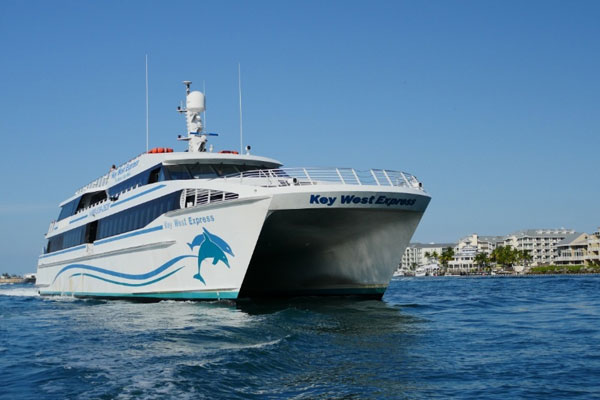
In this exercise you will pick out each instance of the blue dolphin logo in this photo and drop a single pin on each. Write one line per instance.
(210, 246)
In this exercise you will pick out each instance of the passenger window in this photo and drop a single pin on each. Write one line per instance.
(154, 175)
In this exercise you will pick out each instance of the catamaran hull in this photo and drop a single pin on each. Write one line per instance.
(286, 242)
(328, 252)
(190, 254)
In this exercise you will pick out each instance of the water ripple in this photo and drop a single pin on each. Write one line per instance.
(484, 338)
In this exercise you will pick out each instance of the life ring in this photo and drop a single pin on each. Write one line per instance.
(157, 150)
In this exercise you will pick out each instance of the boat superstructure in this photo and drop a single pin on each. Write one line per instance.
(215, 225)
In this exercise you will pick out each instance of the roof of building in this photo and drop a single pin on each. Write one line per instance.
(573, 239)
(562, 232)
(492, 239)
(431, 245)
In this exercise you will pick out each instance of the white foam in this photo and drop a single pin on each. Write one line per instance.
(18, 290)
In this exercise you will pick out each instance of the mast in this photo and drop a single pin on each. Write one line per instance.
(147, 125)
(240, 92)
(195, 105)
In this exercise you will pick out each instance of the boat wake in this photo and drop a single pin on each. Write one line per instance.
(18, 290)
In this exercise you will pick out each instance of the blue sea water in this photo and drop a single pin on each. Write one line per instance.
(471, 338)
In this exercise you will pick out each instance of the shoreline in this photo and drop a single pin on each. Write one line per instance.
(12, 280)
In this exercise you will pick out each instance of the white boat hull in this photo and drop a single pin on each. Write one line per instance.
(159, 263)
(279, 242)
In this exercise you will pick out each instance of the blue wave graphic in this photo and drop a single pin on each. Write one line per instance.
(125, 283)
(122, 275)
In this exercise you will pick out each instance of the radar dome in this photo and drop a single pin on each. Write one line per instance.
(195, 102)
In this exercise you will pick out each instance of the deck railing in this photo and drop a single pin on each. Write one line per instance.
(325, 176)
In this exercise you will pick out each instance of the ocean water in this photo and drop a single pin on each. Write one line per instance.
(471, 338)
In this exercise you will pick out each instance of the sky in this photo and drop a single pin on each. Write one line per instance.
(493, 105)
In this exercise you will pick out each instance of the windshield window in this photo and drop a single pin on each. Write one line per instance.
(226, 169)
(177, 172)
(202, 171)
(208, 171)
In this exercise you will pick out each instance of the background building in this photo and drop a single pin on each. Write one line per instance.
(414, 255)
(593, 248)
(572, 250)
(540, 243)
(546, 246)
(483, 244)
(464, 260)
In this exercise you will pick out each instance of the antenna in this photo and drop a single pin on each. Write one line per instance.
(240, 91)
(147, 130)
(204, 113)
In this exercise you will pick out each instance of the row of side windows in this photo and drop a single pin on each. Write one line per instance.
(129, 220)
(137, 217)
(151, 175)
(68, 209)
(157, 173)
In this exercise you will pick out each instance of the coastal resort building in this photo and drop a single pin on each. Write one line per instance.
(546, 246)
(540, 243)
(593, 248)
(415, 254)
(572, 250)
(463, 261)
(483, 244)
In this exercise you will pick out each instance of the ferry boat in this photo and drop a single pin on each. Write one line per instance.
(202, 224)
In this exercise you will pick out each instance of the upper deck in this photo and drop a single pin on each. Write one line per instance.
(145, 161)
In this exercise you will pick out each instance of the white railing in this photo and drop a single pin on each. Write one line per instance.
(196, 197)
(100, 182)
(325, 176)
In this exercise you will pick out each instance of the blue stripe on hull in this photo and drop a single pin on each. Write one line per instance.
(126, 235)
(55, 253)
(208, 295)
(137, 195)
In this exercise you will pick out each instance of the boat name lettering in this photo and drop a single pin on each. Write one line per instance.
(383, 200)
(390, 201)
(353, 199)
(183, 222)
(99, 209)
(117, 174)
(317, 199)
(201, 220)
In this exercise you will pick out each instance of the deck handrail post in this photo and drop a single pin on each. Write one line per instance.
(375, 177)
(387, 177)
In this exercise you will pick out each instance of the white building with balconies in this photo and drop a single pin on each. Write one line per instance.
(572, 250)
(415, 254)
(540, 243)
(463, 260)
(484, 244)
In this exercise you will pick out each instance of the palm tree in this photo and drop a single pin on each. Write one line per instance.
(524, 257)
(481, 260)
(505, 256)
(445, 257)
